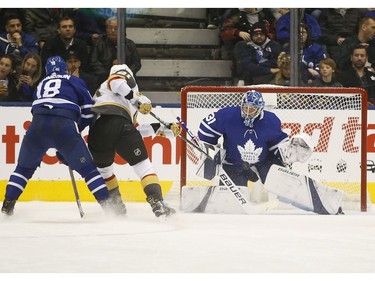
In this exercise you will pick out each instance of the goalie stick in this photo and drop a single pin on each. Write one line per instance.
(248, 207)
(76, 193)
(182, 137)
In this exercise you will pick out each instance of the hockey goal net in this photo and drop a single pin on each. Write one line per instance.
(336, 119)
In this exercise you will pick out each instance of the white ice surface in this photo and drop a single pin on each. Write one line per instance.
(52, 238)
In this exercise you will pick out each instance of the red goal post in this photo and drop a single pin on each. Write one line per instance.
(336, 119)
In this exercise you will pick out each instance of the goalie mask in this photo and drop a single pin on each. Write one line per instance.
(56, 65)
(251, 107)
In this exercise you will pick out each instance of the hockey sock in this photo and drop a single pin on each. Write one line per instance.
(111, 182)
(17, 182)
(97, 185)
(153, 190)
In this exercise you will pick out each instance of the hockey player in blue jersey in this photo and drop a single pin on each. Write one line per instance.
(256, 148)
(251, 137)
(61, 102)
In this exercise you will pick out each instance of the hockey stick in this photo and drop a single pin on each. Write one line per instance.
(182, 137)
(194, 138)
(76, 192)
(248, 207)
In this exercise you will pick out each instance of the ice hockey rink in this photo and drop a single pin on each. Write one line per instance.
(51, 237)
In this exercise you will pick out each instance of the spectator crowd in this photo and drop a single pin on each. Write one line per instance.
(337, 46)
(85, 38)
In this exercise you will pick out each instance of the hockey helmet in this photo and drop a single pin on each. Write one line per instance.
(121, 69)
(251, 107)
(55, 64)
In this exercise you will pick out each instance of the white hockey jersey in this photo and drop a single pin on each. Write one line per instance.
(119, 101)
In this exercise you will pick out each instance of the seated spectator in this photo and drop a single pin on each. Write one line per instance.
(364, 36)
(29, 75)
(73, 64)
(15, 41)
(358, 75)
(43, 23)
(65, 43)
(256, 61)
(5, 11)
(104, 53)
(90, 24)
(327, 68)
(337, 24)
(312, 54)
(282, 78)
(237, 25)
(283, 27)
(8, 80)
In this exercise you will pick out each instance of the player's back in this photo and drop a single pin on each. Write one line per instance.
(66, 96)
(62, 91)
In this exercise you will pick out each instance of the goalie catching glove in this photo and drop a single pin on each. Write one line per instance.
(142, 103)
(297, 149)
(173, 130)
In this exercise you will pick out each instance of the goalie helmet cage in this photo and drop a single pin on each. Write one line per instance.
(336, 119)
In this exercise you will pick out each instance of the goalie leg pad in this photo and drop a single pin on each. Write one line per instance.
(302, 191)
(211, 199)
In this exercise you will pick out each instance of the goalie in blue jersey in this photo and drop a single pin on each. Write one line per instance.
(256, 148)
(61, 110)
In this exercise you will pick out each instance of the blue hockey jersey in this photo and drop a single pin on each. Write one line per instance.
(242, 143)
(66, 92)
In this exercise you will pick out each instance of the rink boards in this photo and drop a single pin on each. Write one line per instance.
(51, 182)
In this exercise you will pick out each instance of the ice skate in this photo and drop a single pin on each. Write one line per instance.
(8, 206)
(116, 201)
(340, 211)
(159, 207)
(109, 207)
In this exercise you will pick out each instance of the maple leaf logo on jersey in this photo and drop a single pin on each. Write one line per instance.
(249, 153)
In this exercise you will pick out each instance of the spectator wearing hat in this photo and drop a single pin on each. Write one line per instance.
(73, 64)
(256, 60)
(282, 78)
(65, 43)
(237, 25)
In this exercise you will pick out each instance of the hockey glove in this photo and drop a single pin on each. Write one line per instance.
(298, 149)
(142, 103)
(61, 158)
(173, 131)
